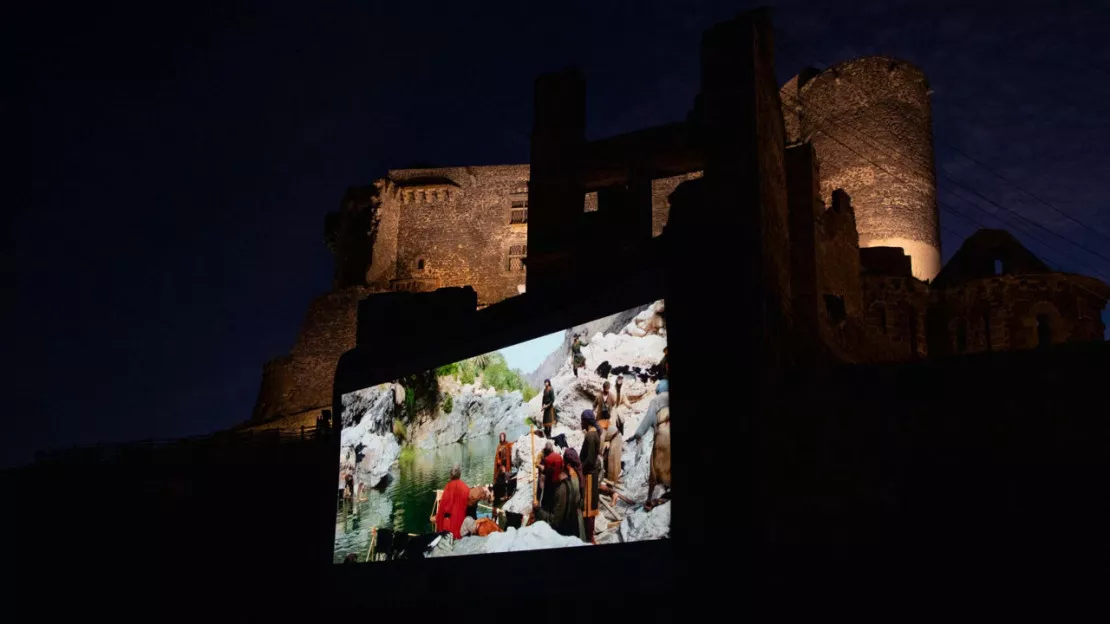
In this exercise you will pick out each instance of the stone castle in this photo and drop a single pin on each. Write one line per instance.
(861, 268)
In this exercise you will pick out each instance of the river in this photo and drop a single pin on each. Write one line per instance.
(406, 503)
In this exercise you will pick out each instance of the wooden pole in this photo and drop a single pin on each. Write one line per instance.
(532, 439)
(373, 539)
(589, 491)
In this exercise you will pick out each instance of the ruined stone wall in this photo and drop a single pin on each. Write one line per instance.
(837, 253)
(894, 317)
(870, 122)
(661, 189)
(463, 235)
(302, 381)
(1000, 313)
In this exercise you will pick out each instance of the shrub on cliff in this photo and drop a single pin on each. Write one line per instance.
(466, 372)
(448, 404)
(448, 370)
(499, 376)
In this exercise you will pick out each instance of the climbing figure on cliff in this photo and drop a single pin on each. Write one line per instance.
(591, 468)
(452, 504)
(548, 408)
(658, 418)
(564, 506)
(577, 360)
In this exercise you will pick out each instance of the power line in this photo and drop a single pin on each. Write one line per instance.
(1090, 228)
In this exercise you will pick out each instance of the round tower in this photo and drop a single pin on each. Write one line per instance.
(871, 126)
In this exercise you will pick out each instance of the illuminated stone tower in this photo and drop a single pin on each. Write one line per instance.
(871, 125)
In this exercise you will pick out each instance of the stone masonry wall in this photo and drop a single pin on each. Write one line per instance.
(302, 381)
(463, 236)
(1012, 303)
(894, 317)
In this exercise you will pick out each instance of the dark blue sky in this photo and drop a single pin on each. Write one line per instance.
(171, 164)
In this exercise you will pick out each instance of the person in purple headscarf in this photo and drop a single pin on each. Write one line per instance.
(571, 460)
(591, 469)
(563, 508)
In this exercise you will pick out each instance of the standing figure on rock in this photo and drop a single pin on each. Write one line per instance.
(604, 403)
(611, 440)
(591, 469)
(658, 418)
(577, 360)
(548, 408)
(502, 467)
(452, 504)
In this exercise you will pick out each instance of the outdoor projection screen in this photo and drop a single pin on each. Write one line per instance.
(402, 443)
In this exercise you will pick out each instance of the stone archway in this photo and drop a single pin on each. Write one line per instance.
(1043, 321)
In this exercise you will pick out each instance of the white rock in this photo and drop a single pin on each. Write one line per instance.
(373, 410)
(367, 411)
(637, 466)
(537, 536)
(643, 525)
(378, 454)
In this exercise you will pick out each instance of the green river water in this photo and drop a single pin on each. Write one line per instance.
(406, 503)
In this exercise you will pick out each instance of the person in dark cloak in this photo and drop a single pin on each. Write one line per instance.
(548, 408)
(591, 468)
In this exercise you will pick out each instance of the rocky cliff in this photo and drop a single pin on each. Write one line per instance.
(367, 445)
(475, 412)
(611, 324)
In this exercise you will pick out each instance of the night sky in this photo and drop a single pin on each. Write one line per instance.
(171, 164)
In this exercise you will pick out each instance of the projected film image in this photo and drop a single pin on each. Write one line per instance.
(559, 441)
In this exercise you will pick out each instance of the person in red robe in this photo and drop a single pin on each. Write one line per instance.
(552, 466)
(452, 505)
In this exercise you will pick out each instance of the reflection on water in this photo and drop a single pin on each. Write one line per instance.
(406, 502)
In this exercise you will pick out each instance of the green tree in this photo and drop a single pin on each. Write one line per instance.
(448, 370)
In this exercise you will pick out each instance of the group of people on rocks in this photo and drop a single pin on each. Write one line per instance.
(572, 483)
(569, 485)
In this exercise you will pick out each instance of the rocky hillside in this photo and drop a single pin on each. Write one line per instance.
(611, 324)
